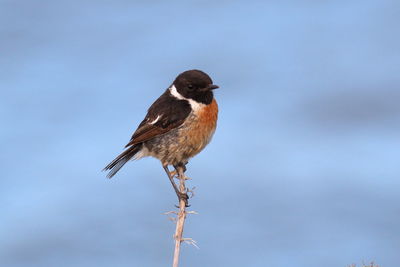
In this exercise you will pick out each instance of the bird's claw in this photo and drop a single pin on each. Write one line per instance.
(184, 197)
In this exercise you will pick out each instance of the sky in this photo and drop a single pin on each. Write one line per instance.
(302, 171)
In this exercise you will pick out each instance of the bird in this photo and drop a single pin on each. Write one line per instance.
(178, 125)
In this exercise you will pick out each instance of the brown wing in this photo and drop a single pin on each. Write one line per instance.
(164, 115)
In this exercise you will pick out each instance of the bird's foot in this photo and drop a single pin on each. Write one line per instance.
(181, 165)
(184, 197)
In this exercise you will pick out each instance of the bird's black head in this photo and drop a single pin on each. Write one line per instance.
(196, 85)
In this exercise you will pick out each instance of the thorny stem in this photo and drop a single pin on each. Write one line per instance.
(180, 217)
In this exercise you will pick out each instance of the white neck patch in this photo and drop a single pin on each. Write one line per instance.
(194, 104)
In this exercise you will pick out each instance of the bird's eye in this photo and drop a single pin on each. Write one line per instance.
(190, 86)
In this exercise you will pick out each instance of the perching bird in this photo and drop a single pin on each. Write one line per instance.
(178, 125)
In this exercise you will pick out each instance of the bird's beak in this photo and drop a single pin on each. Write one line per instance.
(212, 87)
(209, 88)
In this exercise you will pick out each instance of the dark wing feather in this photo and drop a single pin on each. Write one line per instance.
(171, 113)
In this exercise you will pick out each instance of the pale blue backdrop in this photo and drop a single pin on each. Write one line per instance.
(303, 170)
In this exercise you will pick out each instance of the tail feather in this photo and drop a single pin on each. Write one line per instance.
(120, 161)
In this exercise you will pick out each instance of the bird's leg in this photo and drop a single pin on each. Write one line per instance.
(181, 195)
(171, 178)
(183, 166)
(180, 169)
(180, 165)
(174, 173)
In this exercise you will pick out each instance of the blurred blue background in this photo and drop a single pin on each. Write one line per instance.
(303, 169)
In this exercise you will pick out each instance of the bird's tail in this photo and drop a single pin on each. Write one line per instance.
(122, 158)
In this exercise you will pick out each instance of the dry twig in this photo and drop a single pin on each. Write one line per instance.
(180, 217)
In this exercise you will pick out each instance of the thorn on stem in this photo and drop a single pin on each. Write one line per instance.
(170, 212)
(190, 241)
(192, 212)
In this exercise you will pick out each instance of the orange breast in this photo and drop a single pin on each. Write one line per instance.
(208, 116)
(202, 128)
